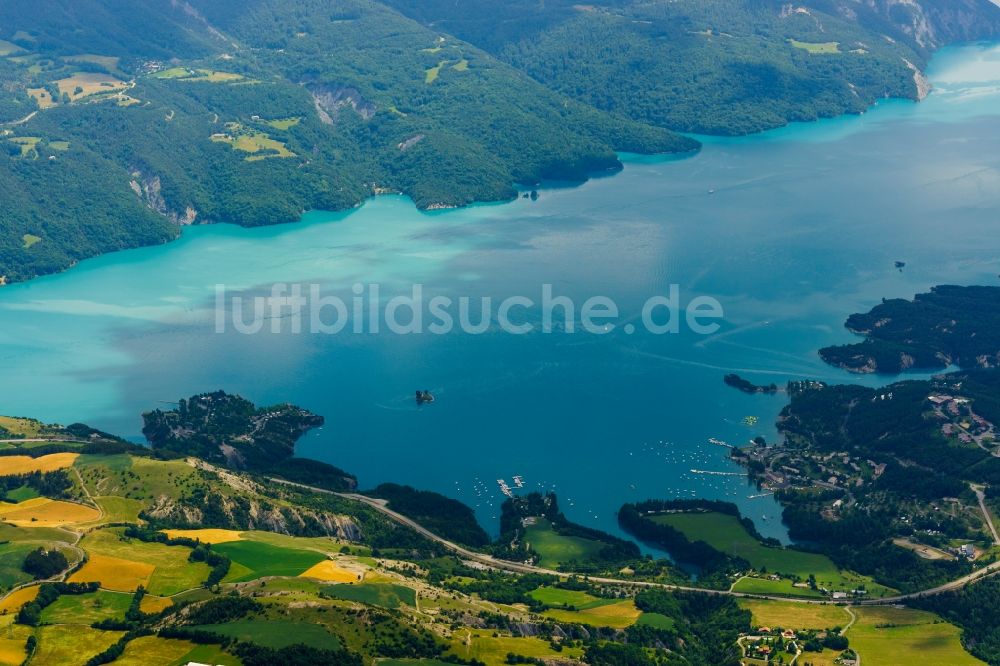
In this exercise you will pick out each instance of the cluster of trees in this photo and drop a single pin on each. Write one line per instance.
(442, 515)
(41, 563)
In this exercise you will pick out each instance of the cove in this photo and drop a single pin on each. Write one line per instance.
(791, 231)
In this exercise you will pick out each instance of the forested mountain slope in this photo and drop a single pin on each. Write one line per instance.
(122, 121)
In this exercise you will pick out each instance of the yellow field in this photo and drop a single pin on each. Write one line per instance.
(618, 615)
(114, 573)
(151, 604)
(42, 97)
(18, 598)
(72, 644)
(16, 465)
(12, 640)
(206, 535)
(43, 512)
(85, 84)
(791, 615)
(153, 650)
(330, 571)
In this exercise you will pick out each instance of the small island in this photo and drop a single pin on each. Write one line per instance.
(747, 386)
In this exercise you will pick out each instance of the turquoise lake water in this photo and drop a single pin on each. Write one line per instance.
(790, 231)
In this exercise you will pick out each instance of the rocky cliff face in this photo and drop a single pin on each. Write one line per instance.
(925, 24)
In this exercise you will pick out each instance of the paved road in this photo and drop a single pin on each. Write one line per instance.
(519, 567)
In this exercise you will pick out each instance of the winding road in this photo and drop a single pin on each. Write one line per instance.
(520, 567)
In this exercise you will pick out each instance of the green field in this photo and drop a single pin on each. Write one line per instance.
(119, 509)
(725, 533)
(608, 613)
(817, 48)
(275, 633)
(793, 615)
(71, 644)
(172, 574)
(11, 558)
(85, 609)
(656, 620)
(554, 549)
(254, 559)
(553, 596)
(768, 586)
(888, 636)
(148, 650)
(385, 595)
(21, 494)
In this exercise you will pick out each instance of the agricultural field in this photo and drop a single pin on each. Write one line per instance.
(384, 595)
(18, 598)
(616, 614)
(792, 615)
(29, 149)
(171, 572)
(783, 586)
(284, 124)
(11, 558)
(42, 98)
(44, 512)
(13, 638)
(258, 144)
(85, 84)
(107, 62)
(14, 465)
(725, 533)
(119, 509)
(71, 644)
(205, 75)
(480, 644)
(85, 609)
(330, 571)
(888, 636)
(114, 573)
(817, 48)
(255, 559)
(170, 652)
(212, 536)
(554, 549)
(656, 621)
(275, 633)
